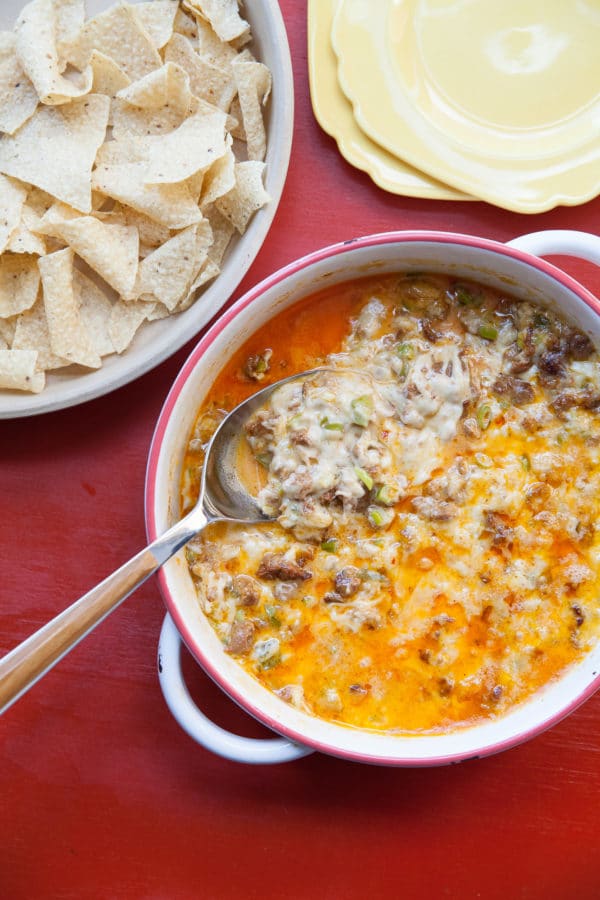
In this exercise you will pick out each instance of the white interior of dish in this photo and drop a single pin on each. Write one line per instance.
(158, 340)
(547, 705)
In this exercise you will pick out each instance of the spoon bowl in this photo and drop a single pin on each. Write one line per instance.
(223, 497)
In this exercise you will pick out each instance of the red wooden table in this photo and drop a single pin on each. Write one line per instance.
(103, 796)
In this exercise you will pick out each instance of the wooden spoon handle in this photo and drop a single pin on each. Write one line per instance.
(22, 667)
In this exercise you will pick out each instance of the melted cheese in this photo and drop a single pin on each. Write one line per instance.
(473, 578)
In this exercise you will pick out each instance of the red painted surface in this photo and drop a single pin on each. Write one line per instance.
(103, 796)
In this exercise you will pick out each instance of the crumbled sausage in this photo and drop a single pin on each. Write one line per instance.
(436, 510)
(304, 555)
(518, 360)
(257, 365)
(496, 524)
(429, 331)
(298, 485)
(275, 565)
(260, 424)
(348, 581)
(518, 391)
(246, 589)
(240, 638)
(566, 400)
(552, 363)
(445, 686)
(537, 494)
(332, 597)
(579, 346)
(300, 438)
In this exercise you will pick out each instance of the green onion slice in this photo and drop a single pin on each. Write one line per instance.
(406, 351)
(378, 517)
(362, 410)
(484, 416)
(331, 426)
(384, 495)
(364, 477)
(272, 616)
(489, 332)
(330, 545)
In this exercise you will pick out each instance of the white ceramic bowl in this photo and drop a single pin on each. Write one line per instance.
(158, 340)
(495, 264)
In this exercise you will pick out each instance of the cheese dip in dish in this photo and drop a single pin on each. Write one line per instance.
(435, 555)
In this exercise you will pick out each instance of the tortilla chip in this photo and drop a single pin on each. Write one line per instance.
(111, 250)
(208, 271)
(130, 121)
(68, 335)
(235, 111)
(207, 81)
(219, 179)
(49, 224)
(159, 311)
(158, 18)
(151, 233)
(18, 97)
(56, 148)
(247, 196)
(185, 25)
(39, 200)
(19, 284)
(96, 310)
(222, 231)
(167, 273)
(108, 78)
(25, 239)
(125, 319)
(7, 330)
(17, 371)
(193, 146)
(194, 184)
(171, 205)
(156, 104)
(31, 333)
(167, 86)
(70, 16)
(35, 33)
(223, 16)
(12, 198)
(253, 81)
(117, 33)
(210, 46)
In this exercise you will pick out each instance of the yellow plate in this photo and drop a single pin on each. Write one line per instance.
(334, 114)
(498, 99)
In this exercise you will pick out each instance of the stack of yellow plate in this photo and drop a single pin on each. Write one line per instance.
(458, 99)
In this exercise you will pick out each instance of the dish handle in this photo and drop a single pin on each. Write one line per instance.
(561, 242)
(199, 727)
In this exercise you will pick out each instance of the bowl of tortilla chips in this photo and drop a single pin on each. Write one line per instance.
(143, 152)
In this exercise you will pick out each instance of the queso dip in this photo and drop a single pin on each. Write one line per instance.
(435, 552)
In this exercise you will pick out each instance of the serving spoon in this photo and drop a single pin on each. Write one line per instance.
(223, 497)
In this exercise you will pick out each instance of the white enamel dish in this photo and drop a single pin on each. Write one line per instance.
(512, 267)
(156, 341)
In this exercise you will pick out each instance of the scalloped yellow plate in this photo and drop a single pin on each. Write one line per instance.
(334, 114)
(498, 99)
